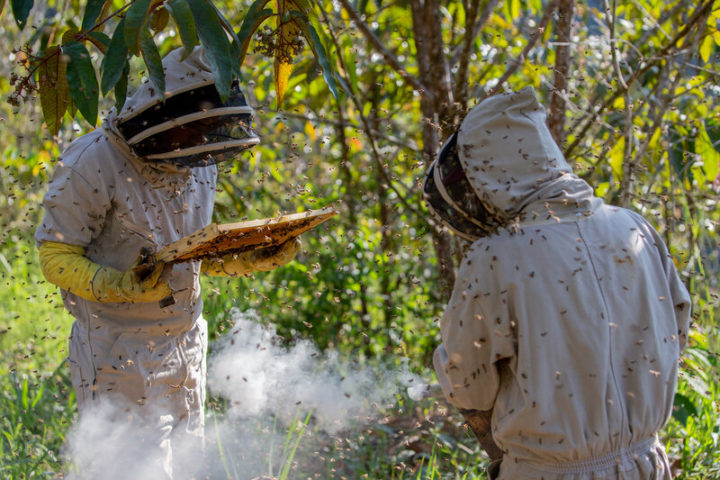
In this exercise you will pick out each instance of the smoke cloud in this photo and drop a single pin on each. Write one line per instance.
(266, 387)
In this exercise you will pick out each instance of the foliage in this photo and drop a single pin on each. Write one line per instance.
(364, 111)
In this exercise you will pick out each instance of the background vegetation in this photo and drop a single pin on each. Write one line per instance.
(368, 90)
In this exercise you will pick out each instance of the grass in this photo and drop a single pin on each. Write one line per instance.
(413, 440)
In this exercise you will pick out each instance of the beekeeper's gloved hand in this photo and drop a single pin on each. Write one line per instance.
(260, 260)
(67, 267)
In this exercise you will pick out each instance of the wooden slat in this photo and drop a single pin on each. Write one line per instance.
(217, 240)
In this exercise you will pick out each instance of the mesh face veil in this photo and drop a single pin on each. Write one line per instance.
(451, 198)
(193, 128)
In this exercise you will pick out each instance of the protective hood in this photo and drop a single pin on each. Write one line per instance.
(188, 124)
(514, 165)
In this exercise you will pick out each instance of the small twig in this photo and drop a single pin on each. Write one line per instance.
(648, 64)
(549, 10)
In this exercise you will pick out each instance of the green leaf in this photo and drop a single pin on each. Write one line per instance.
(217, 47)
(683, 408)
(21, 11)
(255, 16)
(321, 57)
(185, 23)
(92, 13)
(82, 80)
(54, 89)
(115, 59)
(100, 40)
(153, 60)
(135, 21)
(235, 40)
(121, 88)
(159, 19)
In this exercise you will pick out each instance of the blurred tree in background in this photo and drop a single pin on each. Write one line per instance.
(354, 98)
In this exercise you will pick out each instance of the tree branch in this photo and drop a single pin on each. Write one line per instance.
(697, 16)
(387, 54)
(549, 10)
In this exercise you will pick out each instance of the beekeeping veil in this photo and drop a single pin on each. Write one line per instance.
(502, 166)
(188, 124)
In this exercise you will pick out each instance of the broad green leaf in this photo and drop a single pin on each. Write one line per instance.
(100, 40)
(82, 80)
(180, 11)
(256, 14)
(683, 408)
(115, 59)
(321, 57)
(21, 11)
(159, 19)
(217, 47)
(153, 60)
(93, 9)
(228, 28)
(121, 88)
(135, 21)
(54, 89)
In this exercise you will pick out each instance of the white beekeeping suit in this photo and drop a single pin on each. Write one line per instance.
(567, 317)
(144, 179)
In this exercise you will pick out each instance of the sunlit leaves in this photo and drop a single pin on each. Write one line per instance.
(54, 89)
(81, 75)
(286, 45)
(322, 58)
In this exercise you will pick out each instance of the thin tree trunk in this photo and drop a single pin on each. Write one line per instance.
(556, 117)
(438, 110)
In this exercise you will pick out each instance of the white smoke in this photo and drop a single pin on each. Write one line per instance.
(258, 375)
(267, 388)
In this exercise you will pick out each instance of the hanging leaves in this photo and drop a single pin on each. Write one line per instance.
(256, 14)
(21, 11)
(153, 60)
(322, 58)
(217, 47)
(81, 75)
(180, 11)
(159, 19)
(92, 12)
(54, 89)
(115, 59)
(135, 21)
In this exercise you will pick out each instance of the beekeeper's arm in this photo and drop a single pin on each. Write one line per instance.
(67, 267)
(476, 335)
(261, 260)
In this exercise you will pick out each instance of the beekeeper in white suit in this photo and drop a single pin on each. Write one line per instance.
(145, 178)
(567, 318)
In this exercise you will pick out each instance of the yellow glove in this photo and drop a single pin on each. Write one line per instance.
(67, 267)
(260, 260)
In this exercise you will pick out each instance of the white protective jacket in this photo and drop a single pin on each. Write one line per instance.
(568, 323)
(105, 199)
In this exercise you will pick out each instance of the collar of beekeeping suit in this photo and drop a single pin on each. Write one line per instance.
(514, 164)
